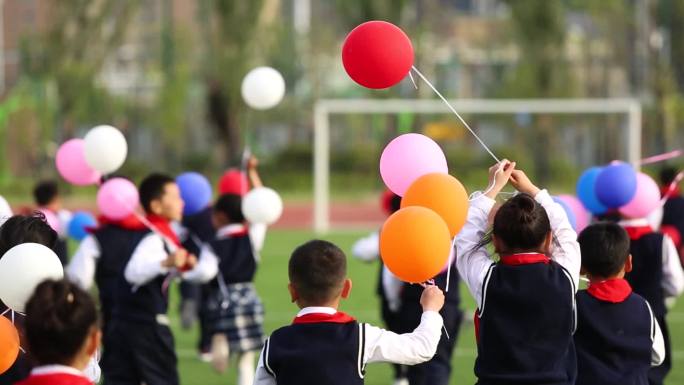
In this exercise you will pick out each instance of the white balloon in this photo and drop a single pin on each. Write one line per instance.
(262, 205)
(5, 210)
(263, 88)
(105, 149)
(22, 268)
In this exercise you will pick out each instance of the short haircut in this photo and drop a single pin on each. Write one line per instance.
(605, 248)
(667, 175)
(152, 188)
(230, 205)
(59, 318)
(45, 192)
(317, 270)
(24, 229)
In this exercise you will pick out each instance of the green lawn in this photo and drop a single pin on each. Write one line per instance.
(271, 283)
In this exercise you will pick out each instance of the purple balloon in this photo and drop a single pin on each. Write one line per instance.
(616, 185)
(117, 198)
(72, 166)
(407, 158)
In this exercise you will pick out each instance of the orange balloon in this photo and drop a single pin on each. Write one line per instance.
(443, 194)
(415, 244)
(9, 344)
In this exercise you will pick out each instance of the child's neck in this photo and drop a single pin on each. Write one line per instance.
(335, 304)
(596, 279)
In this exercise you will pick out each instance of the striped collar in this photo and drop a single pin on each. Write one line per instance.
(319, 314)
(614, 290)
(524, 259)
(56, 369)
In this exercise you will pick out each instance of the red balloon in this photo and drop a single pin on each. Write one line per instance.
(233, 181)
(377, 54)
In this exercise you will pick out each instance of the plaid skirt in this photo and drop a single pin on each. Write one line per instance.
(239, 314)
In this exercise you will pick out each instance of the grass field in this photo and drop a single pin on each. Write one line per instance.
(271, 283)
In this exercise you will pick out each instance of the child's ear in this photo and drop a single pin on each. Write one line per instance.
(156, 207)
(547, 242)
(293, 292)
(346, 289)
(628, 264)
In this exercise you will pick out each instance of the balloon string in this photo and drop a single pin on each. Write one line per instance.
(413, 80)
(671, 187)
(431, 282)
(246, 155)
(661, 157)
(451, 261)
(456, 113)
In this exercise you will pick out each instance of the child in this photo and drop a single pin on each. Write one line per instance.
(139, 343)
(46, 196)
(62, 332)
(101, 257)
(234, 309)
(526, 300)
(657, 275)
(326, 346)
(618, 338)
(673, 211)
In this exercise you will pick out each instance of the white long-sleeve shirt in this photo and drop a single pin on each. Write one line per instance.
(146, 262)
(382, 345)
(208, 264)
(81, 269)
(673, 275)
(658, 343)
(473, 264)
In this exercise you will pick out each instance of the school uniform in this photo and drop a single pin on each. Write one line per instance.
(672, 221)
(656, 275)
(526, 312)
(139, 345)
(618, 338)
(324, 346)
(56, 375)
(228, 263)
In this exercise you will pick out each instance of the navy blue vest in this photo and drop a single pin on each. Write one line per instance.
(525, 326)
(116, 247)
(200, 228)
(613, 340)
(237, 263)
(647, 271)
(316, 354)
(143, 303)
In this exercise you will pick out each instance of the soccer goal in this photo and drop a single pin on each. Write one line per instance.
(629, 108)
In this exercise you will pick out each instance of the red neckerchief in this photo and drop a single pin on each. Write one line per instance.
(131, 222)
(476, 322)
(237, 232)
(665, 192)
(613, 290)
(163, 226)
(673, 233)
(315, 318)
(636, 232)
(524, 259)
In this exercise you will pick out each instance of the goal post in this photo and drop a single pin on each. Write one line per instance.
(323, 108)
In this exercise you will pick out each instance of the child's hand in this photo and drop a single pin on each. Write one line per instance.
(523, 184)
(190, 263)
(252, 163)
(432, 299)
(499, 174)
(176, 259)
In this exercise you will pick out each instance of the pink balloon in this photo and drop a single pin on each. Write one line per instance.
(582, 216)
(407, 158)
(51, 219)
(72, 166)
(646, 199)
(117, 198)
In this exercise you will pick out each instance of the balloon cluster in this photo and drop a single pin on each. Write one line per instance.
(415, 242)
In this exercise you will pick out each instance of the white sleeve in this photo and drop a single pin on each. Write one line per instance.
(673, 276)
(257, 234)
(392, 287)
(368, 248)
(408, 349)
(473, 263)
(262, 377)
(207, 267)
(658, 347)
(81, 269)
(146, 261)
(565, 249)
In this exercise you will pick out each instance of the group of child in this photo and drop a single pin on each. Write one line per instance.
(520, 260)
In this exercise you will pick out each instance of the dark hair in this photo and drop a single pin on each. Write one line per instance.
(45, 192)
(26, 228)
(59, 318)
(230, 205)
(605, 248)
(317, 270)
(667, 175)
(521, 224)
(152, 188)
(395, 203)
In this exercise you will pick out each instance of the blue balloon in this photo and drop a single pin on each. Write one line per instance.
(616, 185)
(586, 191)
(571, 216)
(195, 190)
(79, 224)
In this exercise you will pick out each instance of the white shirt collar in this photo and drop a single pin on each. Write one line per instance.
(316, 309)
(230, 229)
(639, 222)
(56, 369)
